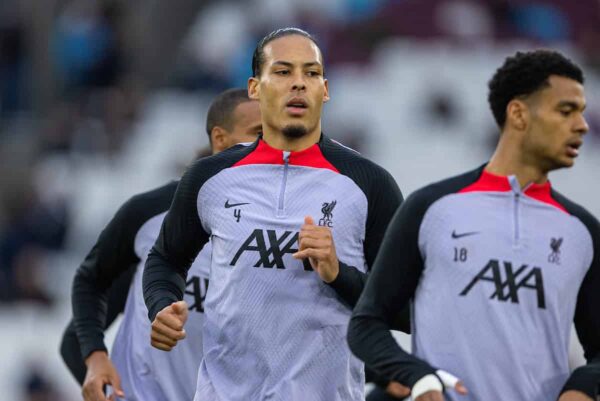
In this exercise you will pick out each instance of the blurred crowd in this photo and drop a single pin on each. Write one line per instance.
(75, 76)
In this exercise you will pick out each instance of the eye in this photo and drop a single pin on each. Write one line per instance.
(282, 72)
(566, 113)
(313, 73)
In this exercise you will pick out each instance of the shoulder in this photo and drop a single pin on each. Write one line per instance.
(345, 158)
(423, 198)
(367, 174)
(589, 221)
(115, 246)
(143, 206)
(149, 203)
(158, 197)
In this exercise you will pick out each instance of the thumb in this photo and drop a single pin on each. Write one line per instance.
(179, 307)
(116, 384)
(461, 388)
(451, 381)
(309, 221)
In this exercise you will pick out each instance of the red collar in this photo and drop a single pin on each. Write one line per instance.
(266, 154)
(489, 182)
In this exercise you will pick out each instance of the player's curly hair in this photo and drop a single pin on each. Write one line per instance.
(258, 58)
(525, 73)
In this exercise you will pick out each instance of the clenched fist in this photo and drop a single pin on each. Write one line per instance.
(316, 244)
(167, 327)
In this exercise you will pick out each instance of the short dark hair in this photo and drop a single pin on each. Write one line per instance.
(220, 112)
(258, 58)
(525, 73)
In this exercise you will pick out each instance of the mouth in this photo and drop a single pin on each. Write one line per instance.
(573, 147)
(296, 106)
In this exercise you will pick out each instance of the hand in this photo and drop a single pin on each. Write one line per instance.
(100, 372)
(448, 381)
(316, 244)
(397, 390)
(573, 395)
(167, 327)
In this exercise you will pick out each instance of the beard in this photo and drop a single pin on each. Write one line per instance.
(294, 131)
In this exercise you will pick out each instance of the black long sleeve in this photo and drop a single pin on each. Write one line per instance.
(70, 352)
(587, 317)
(180, 240)
(391, 286)
(110, 257)
(70, 349)
(383, 196)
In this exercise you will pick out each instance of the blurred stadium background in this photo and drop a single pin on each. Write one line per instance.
(101, 99)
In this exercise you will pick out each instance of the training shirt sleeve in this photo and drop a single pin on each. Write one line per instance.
(111, 256)
(384, 198)
(391, 286)
(587, 321)
(70, 353)
(182, 235)
(70, 349)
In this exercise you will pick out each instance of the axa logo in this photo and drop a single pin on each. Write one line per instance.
(270, 247)
(508, 282)
(196, 288)
(327, 210)
(554, 256)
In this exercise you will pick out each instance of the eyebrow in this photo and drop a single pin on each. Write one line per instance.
(288, 64)
(571, 104)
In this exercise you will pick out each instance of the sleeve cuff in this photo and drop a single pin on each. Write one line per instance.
(585, 379)
(349, 283)
(418, 370)
(343, 279)
(93, 345)
(158, 306)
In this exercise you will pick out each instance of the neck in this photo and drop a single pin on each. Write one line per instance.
(276, 139)
(510, 159)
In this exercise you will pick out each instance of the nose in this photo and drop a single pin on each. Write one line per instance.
(299, 84)
(581, 126)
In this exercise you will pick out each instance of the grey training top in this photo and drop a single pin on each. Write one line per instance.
(496, 275)
(273, 329)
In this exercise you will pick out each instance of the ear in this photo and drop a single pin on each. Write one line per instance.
(326, 93)
(517, 114)
(219, 138)
(253, 88)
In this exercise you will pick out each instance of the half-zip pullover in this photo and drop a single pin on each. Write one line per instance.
(496, 275)
(273, 329)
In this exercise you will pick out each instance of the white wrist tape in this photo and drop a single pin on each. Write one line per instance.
(432, 383)
(425, 384)
(449, 380)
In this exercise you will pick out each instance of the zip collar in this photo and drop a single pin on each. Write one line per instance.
(488, 182)
(263, 153)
